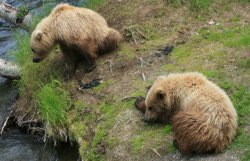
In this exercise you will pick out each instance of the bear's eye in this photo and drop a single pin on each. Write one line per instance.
(150, 108)
(32, 50)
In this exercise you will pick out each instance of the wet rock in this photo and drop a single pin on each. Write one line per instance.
(164, 50)
(167, 50)
(89, 85)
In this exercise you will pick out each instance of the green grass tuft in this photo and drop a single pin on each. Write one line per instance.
(54, 102)
(92, 4)
(137, 143)
(167, 129)
(198, 5)
(194, 5)
(236, 38)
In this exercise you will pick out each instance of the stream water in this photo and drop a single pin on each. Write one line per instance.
(14, 144)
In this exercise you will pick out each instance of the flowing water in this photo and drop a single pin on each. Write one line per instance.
(14, 144)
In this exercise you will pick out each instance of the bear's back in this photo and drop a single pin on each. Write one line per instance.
(65, 10)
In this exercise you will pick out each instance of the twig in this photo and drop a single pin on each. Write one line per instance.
(142, 72)
(155, 151)
(4, 125)
(127, 98)
(132, 34)
(37, 129)
(142, 34)
(100, 118)
(29, 121)
(110, 65)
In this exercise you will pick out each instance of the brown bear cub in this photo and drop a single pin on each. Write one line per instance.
(81, 33)
(203, 118)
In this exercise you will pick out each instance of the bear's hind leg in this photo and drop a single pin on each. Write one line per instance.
(193, 133)
(90, 64)
(110, 42)
(71, 61)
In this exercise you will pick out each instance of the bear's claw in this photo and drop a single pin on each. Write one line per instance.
(140, 104)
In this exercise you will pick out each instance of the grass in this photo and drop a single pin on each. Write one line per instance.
(53, 103)
(137, 143)
(235, 38)
(40, 90)
(194, 5)
(93, 4)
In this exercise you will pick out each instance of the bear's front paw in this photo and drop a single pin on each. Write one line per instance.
(90, 68)
(140, 104)
(67, 75)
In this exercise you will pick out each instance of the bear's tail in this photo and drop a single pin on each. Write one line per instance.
(110, 42)
(194, 133)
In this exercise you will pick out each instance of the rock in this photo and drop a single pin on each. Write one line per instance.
(158, 53)
(167, 50)
(211, 22)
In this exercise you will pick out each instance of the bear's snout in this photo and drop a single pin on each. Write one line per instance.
(149, 120)
(36, 60)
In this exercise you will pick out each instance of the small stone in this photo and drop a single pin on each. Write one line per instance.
(211, 22)
(158, 53)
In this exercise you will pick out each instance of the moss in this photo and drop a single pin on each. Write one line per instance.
(22, 12)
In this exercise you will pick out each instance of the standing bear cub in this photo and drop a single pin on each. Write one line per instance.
(81, 33)
(202, 115)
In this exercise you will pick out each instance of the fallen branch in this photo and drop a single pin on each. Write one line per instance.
(110, 65)
(127, 98)
(142, 34)
(142, 71)
(29, 121)
(17, 17)
(132, 34)
(4, 125)
(9, 70)
(156, 152)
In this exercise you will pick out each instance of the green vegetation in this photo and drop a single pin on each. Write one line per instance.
(236, 37)
(22, 12)
(195, 5)
(53, 103)
(93, 4)
(40, 87)
(138, 143)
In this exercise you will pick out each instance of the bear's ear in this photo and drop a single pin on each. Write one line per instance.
(160, 94)
(39, 35)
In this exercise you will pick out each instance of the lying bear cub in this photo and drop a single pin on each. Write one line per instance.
(203, 118)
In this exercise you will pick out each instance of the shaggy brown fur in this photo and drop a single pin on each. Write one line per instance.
(202, 115)
(81, 34)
